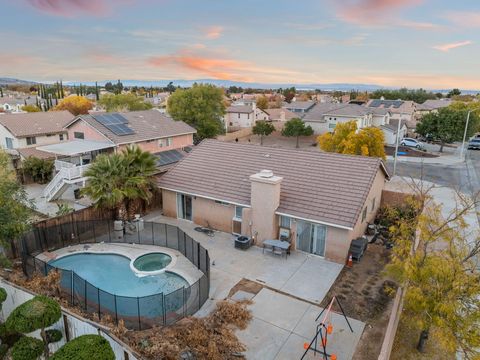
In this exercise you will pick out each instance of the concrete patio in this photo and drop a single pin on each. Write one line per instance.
(281, 325)
(301, 275)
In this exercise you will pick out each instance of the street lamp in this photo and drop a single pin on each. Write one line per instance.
(465, 132)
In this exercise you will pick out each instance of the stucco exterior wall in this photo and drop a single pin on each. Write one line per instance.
(337, 244)
(239, 120)
(89, 132)
(153, 146)
(4, 134)
(207, 212)
(169, 199)
(42, 140)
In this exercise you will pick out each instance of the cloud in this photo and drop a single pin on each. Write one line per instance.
(418, 25)
(464, 19)
(214, 66)
(70, 8)
(450, 46)
(370, 12)
(213, 32)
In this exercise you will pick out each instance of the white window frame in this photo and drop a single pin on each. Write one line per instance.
(285, 218)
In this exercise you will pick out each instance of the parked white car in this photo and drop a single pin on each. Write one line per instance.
(412, 143)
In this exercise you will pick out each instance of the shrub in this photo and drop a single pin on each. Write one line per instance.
(3, 296)
(85, 347)
(3, 350)
(37, 313)
(40, 170)
(53, 335)
(27, 348)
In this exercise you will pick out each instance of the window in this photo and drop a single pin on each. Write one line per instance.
(9, 142)
(239, 115)
(165, 142)
(364, 214)
(238, 212)
(285, 222)
(61, 137)
(373, 204)
(31, 140)
(78, 135)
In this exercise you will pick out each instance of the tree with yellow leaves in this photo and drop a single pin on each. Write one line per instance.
(75, 104)
(434, 258)
(347, 140)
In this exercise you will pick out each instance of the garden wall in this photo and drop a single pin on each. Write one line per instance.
(71, 326)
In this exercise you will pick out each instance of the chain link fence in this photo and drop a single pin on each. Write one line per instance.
(138, 313)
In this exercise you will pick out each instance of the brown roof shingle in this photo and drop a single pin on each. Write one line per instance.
(39, 123)
(148, 124)
(323, 187)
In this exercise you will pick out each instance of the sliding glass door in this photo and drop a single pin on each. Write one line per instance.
(184, 207)
(311, 237)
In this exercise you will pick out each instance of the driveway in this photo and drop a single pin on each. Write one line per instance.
(303, 276)
(281, 325)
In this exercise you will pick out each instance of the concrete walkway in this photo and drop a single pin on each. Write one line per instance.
(281, 325)
(301, 275)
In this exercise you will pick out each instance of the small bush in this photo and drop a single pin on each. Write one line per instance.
(53, 335)
(37, 313)
(3, 350)
(40, 170)
(27, 348)
(85, 347)
(3, 296)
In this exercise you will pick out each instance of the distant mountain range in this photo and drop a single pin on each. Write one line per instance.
(228, 83)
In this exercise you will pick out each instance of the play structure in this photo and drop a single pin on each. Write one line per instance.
(319, 343)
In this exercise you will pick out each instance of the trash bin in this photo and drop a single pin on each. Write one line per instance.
(76, 194)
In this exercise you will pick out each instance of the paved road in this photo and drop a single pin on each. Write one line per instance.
(463, 176)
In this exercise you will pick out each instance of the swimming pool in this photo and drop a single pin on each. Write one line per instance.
(112, 273)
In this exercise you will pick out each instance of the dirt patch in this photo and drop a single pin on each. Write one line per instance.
(246, 285)
(276, 139)
(365, 294)
(408, 152)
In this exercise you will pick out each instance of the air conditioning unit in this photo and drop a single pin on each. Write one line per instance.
(284, 234)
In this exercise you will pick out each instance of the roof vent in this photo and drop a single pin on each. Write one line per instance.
(266, 173)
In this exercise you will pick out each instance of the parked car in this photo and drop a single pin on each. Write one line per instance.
(474, 144)
(412, 143)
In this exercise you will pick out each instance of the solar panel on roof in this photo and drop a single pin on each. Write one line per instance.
(168, 157)
(116, 123)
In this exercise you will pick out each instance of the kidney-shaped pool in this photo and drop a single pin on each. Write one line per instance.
(112, 273)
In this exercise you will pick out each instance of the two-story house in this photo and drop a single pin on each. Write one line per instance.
(242, 116)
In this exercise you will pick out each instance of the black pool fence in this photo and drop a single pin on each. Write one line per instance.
(138, 313)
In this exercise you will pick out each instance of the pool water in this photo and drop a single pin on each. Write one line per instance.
(152, 262)
(112, 273)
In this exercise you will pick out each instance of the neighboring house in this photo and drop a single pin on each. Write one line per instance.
(242, 116)
(280, 114)
(324, 200)
(390, 131)
(380, 116)
(432, 106)
(33, 129)
(399, 109)
(14, 104)
(151, 130)
(299, 107)
(324, 117)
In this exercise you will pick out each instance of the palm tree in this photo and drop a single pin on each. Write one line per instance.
(119, 181)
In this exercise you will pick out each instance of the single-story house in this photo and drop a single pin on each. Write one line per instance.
(33, 129)
(242, 116)
(432, 106)
(323, 200)
(324, 117)
(390, 131)
(281, 115)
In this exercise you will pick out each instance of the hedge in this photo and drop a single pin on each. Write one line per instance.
(37, 313)
(53, 335)
(85, 347)
(27, 348)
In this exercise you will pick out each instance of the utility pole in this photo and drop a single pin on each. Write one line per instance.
(396, 146)
(465, 132)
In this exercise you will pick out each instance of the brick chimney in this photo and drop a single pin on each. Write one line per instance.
(265, 199)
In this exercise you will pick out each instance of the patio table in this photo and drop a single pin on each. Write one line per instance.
(283, 246)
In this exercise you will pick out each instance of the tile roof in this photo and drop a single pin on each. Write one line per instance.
(434, 104)
(39, 123)
(243, 109)
(32, 151)
(147, 124)
(350, 110)
(299, 105)
(274, 114)
(323, 187)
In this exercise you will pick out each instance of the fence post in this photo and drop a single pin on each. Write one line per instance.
(109, 233)
(166, 236)
(138, 310)
(93, 227)
(72, 287)
(184, 302)
(116, 314)
(153, 234)
(85, 294)
(164, 308)
(98, 302)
